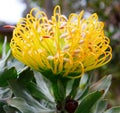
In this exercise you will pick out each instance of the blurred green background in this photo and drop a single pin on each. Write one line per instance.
(107, 10)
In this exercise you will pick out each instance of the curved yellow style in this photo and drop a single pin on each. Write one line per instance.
(65, 46)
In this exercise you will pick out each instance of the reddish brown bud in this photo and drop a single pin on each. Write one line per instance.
(71, 105)
(8, 26)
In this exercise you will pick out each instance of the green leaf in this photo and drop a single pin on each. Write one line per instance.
(101, 106)
(83, 87)
(59, 90)
(113, 110)
(4, 48)
(44, 85)
(6, 75)
(82, 93)
(5, 93)
(21, 105)
(84, 81)
(20, 67)
(38, 93)
(5, 56)
(20, 91)
(1, 107)
(58, 85)
(88, 102)
(103, 84)
(9, 109)
(75, 87)
(25, 76)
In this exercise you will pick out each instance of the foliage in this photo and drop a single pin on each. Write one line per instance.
(27, 91)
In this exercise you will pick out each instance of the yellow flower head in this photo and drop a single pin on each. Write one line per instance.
(64, 46)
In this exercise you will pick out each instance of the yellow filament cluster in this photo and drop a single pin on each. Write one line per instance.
(65, 46)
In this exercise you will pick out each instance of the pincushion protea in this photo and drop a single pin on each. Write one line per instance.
(63, 46)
